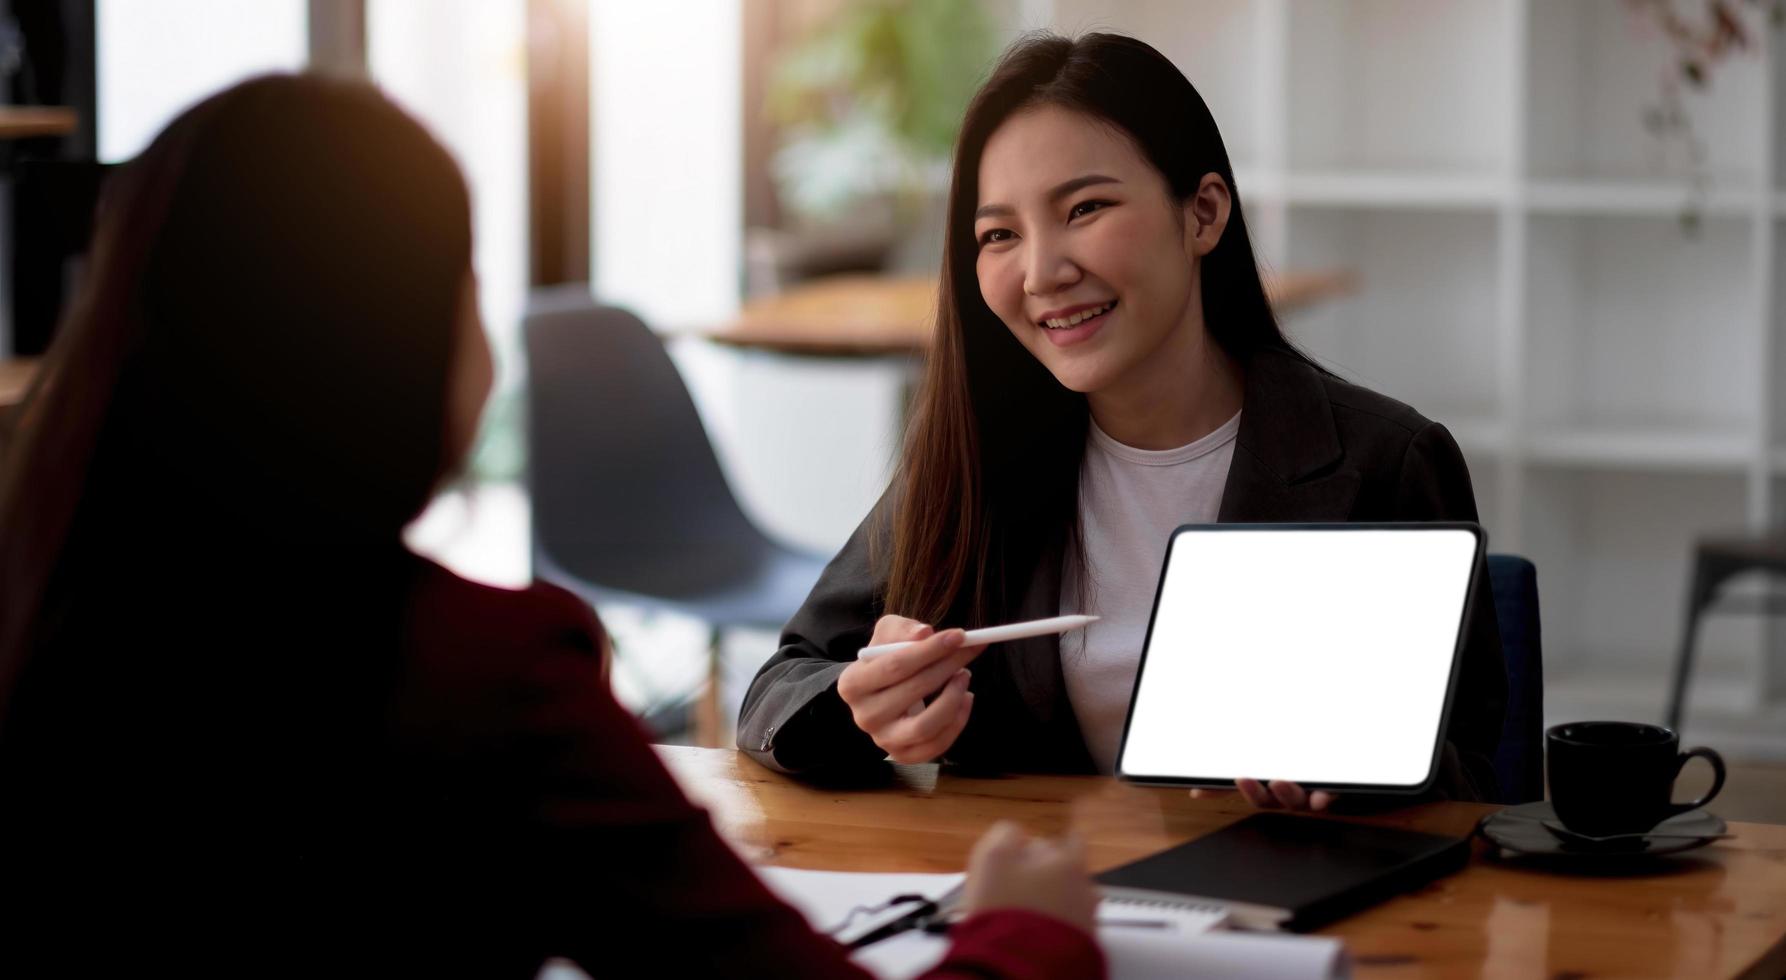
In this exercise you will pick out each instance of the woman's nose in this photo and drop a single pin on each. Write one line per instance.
(1049, 270)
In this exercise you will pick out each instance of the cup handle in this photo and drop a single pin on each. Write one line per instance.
(1717, 762)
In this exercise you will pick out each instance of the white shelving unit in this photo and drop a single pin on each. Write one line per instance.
(1616, 374)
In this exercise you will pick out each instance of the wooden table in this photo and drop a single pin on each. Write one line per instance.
(864, 315)
(1717, 912)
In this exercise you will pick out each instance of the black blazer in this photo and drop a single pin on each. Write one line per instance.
(1311, 448)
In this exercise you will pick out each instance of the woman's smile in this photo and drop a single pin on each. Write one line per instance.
(1077, 324)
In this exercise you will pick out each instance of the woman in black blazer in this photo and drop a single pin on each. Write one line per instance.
(1106, 364)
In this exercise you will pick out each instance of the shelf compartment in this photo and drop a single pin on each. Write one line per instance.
(1399, 85)
(1421, 325)
(1637, 323)
(1596, 68)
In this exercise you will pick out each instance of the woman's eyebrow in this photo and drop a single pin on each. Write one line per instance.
(1059, 191)
(1079, 183)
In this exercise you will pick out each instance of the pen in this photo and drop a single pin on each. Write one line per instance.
(996, 634)
(939, 915)
(918, 918)
(941, 924)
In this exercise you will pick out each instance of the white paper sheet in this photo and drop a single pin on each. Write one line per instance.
(825, 898)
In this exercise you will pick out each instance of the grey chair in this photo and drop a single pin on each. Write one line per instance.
(629, 502)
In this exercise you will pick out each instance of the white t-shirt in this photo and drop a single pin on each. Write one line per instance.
(1129, 502)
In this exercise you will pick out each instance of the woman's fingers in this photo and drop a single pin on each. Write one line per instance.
(933, 748)
(892, 629)
(875, 693)
(889, 669)
(875, 711)
(1001, 842)
(1291, 795)
(886, 694)
(1072, 849)
(1282, 794)
(932, 721)
(930, 680)
(1256, 794)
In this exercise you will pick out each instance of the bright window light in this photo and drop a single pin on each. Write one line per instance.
(156, 58)
(667, 157)
(460, 66)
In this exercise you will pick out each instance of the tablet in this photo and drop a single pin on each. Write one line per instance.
(1323, 654)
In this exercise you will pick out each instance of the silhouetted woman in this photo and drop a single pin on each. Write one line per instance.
(241, 727)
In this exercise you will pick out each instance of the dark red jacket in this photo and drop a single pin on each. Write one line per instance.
(367, 766)
(656, 890)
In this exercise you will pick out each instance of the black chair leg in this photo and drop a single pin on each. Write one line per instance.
(1683, 661)
(1709, 575)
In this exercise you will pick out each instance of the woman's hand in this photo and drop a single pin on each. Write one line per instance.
(1278, 794)
(1011, 870)
(886, 694)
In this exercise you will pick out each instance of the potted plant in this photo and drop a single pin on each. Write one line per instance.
(867, 106)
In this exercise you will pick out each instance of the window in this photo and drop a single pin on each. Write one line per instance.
(461, 67)
(155, 59)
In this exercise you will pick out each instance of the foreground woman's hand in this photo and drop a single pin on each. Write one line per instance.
(1011, 870)
(886, 694)
(1279, 794)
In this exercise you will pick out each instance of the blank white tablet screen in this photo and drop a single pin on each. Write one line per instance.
(1317, 656)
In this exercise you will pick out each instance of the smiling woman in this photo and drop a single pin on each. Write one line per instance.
(1106, 368)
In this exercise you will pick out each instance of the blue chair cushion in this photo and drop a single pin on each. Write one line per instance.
(1519, 760)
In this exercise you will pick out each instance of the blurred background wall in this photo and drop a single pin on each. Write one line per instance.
(1557, 226)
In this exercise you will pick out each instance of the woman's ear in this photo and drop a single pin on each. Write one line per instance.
(1206, 215)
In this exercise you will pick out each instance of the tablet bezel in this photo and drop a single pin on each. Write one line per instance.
(1462, 639)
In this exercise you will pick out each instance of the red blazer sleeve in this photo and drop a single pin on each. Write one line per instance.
(641, 883)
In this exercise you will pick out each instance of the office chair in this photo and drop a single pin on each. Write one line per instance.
(1519, 758)
(629, 503)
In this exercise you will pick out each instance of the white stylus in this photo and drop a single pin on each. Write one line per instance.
(996, 634)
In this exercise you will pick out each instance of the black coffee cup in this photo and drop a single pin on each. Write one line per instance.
(1617, 777)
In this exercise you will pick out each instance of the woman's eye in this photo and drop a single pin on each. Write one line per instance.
(995, 235)
(1084, 208)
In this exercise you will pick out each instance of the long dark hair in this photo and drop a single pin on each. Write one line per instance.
(201, 514)
(989, 479)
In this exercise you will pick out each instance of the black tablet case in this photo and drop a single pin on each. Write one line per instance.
(1301, 871)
